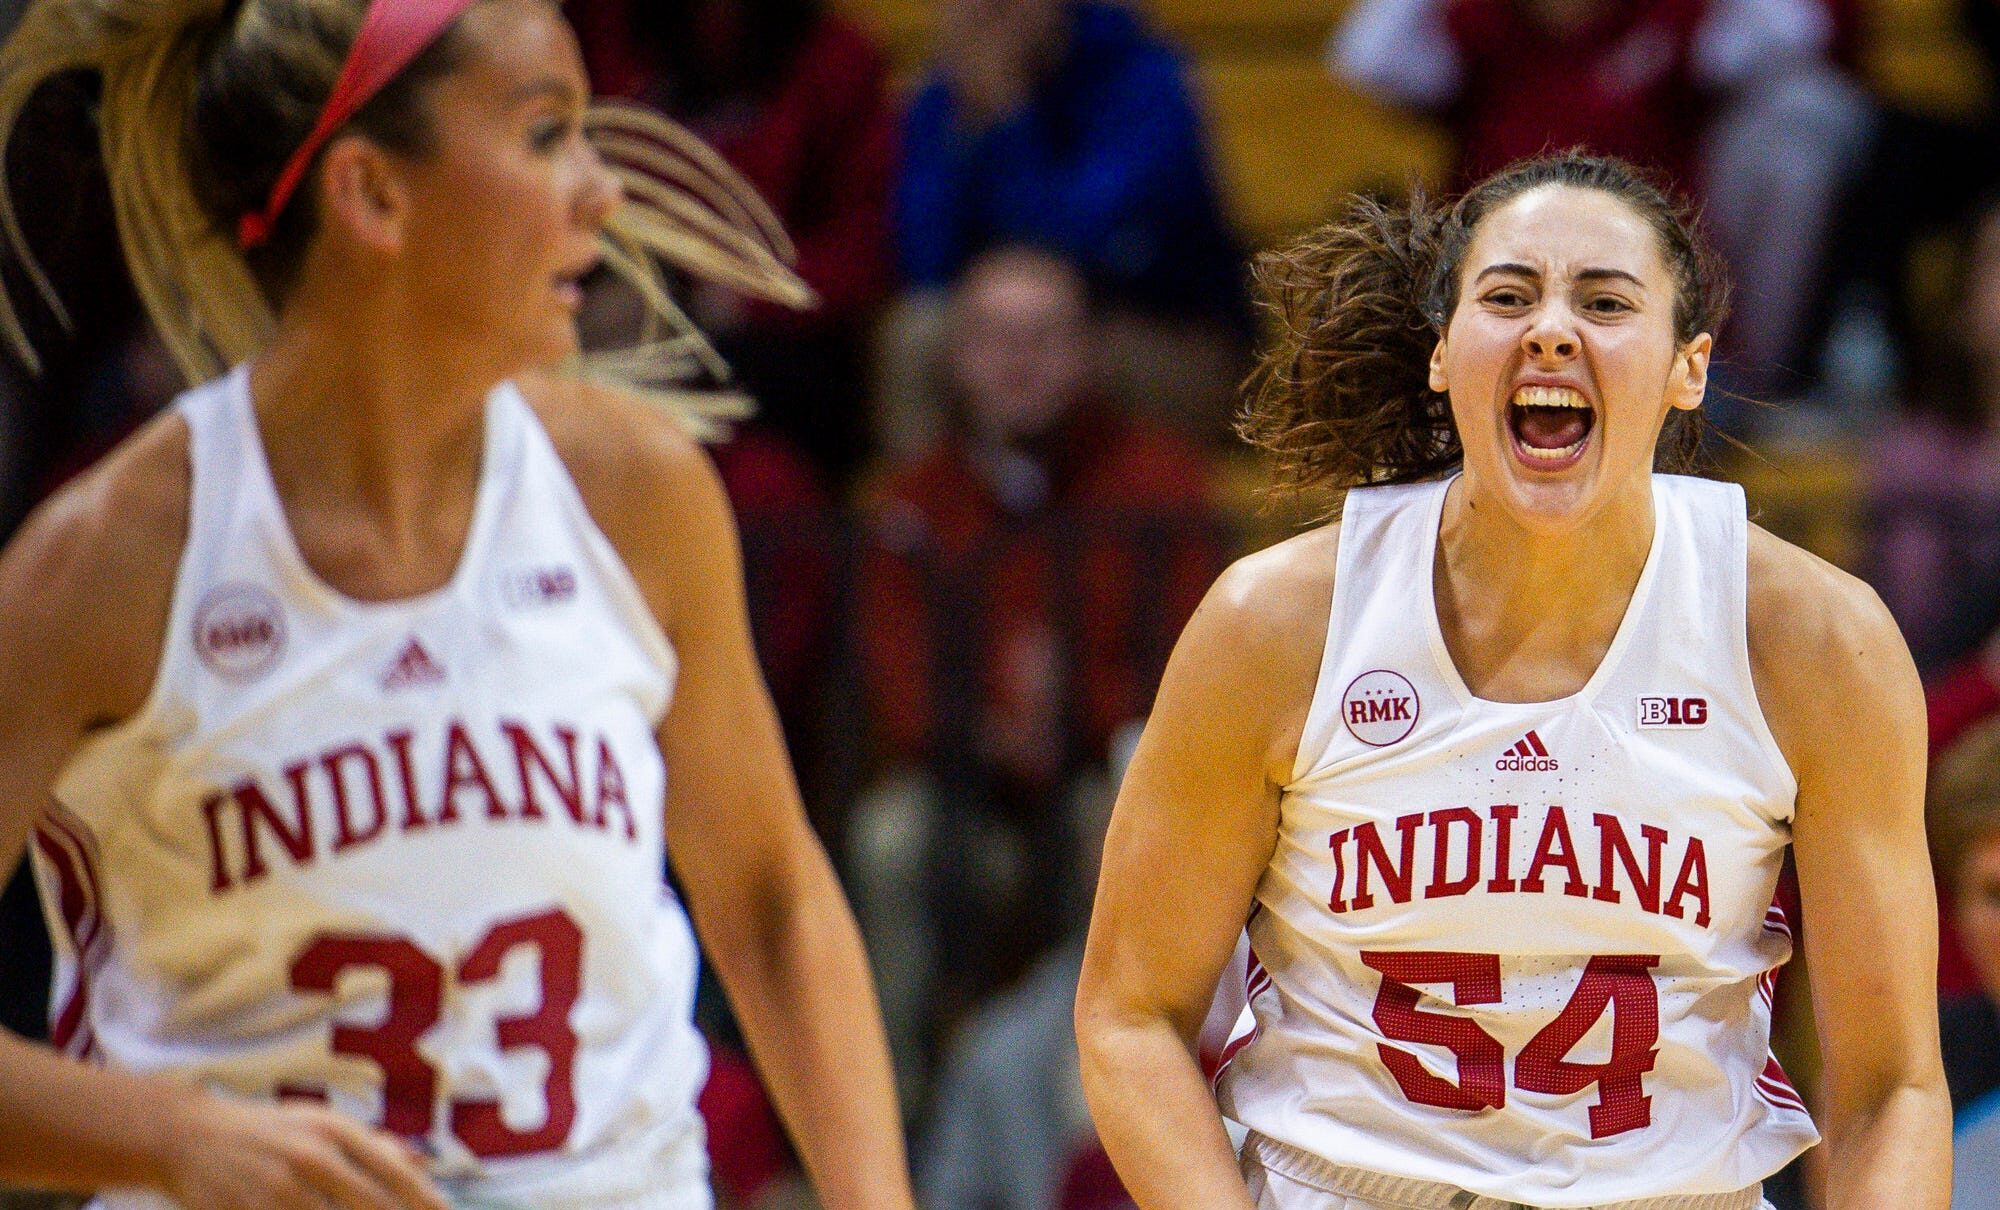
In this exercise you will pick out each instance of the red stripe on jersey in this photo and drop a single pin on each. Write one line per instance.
(1775, 918)
(75, 887)
(1535, 742)
(1255, 980)
(80, 924)
(1774, 1081)
(1229, 1052)
(1780, 1098)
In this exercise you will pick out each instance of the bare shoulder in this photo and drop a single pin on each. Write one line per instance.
(1278, 598)
(619, 448)
(86, 584)
(1258, 637)
(1822, 644)
(648, 484)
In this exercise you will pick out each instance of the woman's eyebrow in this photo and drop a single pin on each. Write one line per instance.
(1508, 268)
(555, 86)
(1609, 275)
(1516, 269)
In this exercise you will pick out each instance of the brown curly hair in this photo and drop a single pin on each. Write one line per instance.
(1341, 397)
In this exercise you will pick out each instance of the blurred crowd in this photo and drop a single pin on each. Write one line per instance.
(991, 473)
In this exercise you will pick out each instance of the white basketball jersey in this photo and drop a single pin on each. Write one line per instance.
(404, 857)
(1528, 949)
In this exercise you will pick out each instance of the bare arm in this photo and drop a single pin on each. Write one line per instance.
(771, 916)
(84, 591)
(1845, 703)
(1194, 828)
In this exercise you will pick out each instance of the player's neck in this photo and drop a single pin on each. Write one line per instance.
(1510, 597)
(378, 419)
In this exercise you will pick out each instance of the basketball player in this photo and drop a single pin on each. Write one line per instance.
(367, 690)
(1502, 768)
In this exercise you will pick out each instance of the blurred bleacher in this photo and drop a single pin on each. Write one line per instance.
(1289, 139)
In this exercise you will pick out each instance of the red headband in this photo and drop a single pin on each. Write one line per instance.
(393, 32)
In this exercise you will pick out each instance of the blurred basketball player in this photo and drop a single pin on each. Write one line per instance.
(367, 689)
(1501, 769)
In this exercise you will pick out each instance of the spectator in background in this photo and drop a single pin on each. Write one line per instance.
(790, 535)
(1934, 490)
(1009, 1129)
(1922, 172)
(1020, 586)
(1964, 825)
(795, 98)
(1068, 125)
(1700, 90)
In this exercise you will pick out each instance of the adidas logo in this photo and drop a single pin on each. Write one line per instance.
(1528, 755)
(414, 666)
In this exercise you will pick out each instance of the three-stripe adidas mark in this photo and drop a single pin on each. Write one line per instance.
(1528, 755)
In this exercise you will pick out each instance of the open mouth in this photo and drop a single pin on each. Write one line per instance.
(569, 283)
(569, 287)
(1551, 425)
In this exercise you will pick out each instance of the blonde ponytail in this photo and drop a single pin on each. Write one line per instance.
(202, 299)
(686, 208)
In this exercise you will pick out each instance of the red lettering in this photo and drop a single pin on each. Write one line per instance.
(1611, 840)
(1555, 848)
(1620, 983)
(1336, 903)
(611, 790)
(1368, 850)
(360, 804)
(416, 998)
(463, 768)
(1692, 880)
(253, 807)
(1442, 887)
(1502, 882)
(218, 868)
(222, 636)
(406, 774)
(477, 1122)
(346, 835)
(527, 753)
(1482, 1064)
(1357, 712)
(1624, 984)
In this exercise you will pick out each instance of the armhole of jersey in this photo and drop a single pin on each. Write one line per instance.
(629, 599)
(207, 517)
(1323, 715)
(1739, 632)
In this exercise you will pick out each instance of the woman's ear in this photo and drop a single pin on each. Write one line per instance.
(363, 194)
(1688, 381)
(1438, 381)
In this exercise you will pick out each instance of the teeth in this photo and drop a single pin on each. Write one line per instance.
(1550, 455)
(1549, 397)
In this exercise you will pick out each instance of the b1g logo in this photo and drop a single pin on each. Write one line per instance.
(239, 631)
(529, 587)
(1673, 712)
(1380, 708)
